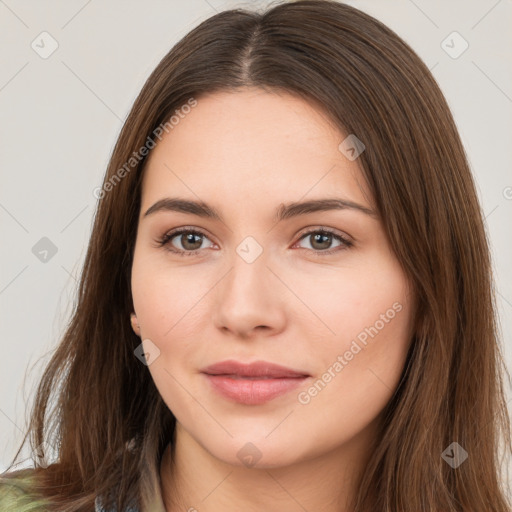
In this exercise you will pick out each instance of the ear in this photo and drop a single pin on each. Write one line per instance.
(135, 324)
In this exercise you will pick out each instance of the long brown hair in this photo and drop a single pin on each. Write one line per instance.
(98, 404)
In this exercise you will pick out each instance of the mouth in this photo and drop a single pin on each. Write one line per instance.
(252, 384)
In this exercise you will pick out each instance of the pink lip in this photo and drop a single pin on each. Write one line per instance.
(254, 383)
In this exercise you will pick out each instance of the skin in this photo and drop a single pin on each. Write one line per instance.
(245, 153)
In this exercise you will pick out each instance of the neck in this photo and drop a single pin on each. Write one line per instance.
(192, 480)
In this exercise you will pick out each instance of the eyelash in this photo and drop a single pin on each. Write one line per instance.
(164, 241)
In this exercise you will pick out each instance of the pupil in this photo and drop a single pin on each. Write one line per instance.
(326, 239)
(189, 238)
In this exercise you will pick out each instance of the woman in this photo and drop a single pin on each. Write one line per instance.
(327, 341)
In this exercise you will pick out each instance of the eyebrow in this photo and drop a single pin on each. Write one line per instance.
(283, 212)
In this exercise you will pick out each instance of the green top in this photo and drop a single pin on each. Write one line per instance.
(15, 494)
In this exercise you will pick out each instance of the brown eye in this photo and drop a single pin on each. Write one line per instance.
(321, 241)
(183, 241)
(190, 241)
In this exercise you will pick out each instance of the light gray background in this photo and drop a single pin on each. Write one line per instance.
(60, 117)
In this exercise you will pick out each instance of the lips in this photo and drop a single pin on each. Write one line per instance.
(254, 383)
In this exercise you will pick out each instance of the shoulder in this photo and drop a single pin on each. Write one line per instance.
(16, 493)
(98, 504)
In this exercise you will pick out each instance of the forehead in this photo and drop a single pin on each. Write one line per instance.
(252, 146)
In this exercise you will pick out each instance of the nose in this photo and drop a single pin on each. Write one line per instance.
(249, 300)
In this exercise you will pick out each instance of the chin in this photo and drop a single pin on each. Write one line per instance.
(257, 451)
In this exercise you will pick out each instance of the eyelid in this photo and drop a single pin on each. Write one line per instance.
(324, 229)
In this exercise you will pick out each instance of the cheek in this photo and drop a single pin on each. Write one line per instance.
(173, 314)
(369, 315)
(358, 373)
(353, 302)
(169, 302)
(170, 311)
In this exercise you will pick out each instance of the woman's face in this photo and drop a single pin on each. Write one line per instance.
(259, 282)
